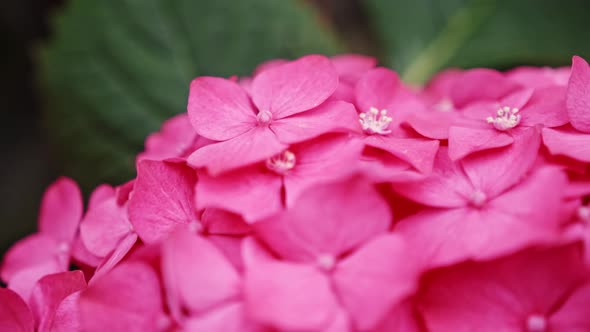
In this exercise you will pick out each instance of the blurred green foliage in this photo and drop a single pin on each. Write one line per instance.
(421, 37)
(117, 68)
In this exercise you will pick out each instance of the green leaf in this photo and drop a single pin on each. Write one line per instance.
(118, 68)
(421, 37)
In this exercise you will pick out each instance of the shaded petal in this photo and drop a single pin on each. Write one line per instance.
(288, 296)
(494, 171)
(15, 315)
(251, 192)
(377, 88)
(403, 317)
(49, 293)
(162, 200)
(100, 194)
(295, 87)
(464, 140)
(104, 226)
(337, 116)
(37, 251)
(327, 219)
(61, 210)
(578, 95)
(418, 152)
(573, 316)
(229, 318)
(498, 295)
(447, 186)
(481, 84)
(374, 278)
(322, 160)
(351, 67)
(127, 299)
(222, 222)
(120, 251)
(67, 315)
(256, 145)
(197, 275)
(433, 125)
(567, 142)
(451, 236)
(219, 109)
(546, 107)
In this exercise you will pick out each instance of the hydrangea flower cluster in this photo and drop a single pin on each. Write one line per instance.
(323, 194)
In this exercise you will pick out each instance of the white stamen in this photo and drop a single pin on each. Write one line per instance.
(536, 323)
(326, 262)
(264, 117)
(584, 213)
(281, 163)
(375, 122)
(478, 198)
(506, 118)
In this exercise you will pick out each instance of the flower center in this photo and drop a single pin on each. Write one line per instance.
(375, 121)
(326, 262)
(478, 198)
(506, 118)
(584, 213)
(536, 323)
(264, 117)
(195, 227)
(281, 163)
(445, 105)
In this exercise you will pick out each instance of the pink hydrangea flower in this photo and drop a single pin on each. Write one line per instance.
(284, 107)
(534, 291)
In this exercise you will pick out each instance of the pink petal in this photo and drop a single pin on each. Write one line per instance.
(217, 221)
(499, 295)
(82, 256)
(288, 296)
(451, 236)
(319, 161)
(15, 315)
(100, 194)
(351, 67)
(374, 278)
(127, 299)
(49, 293)
(464, 140)
(197, 275)
(256, 145)
(67, 315)
(418, 152)
(61, 210)
(535, 77)
(120, 251)
(447, 186)
(327, 219)
(174, 139)
(229, 318)
(403, 317)
(38, 252)
(330, 117)
(377, 88)
(295, 87)
(481, 84)
(573, 316)
(578, 95)
(162, 200)
(494, 171)
(219, 109)
(567, 142)
(433, 124)
(104, 226)
(546, 107)
(251, 192)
